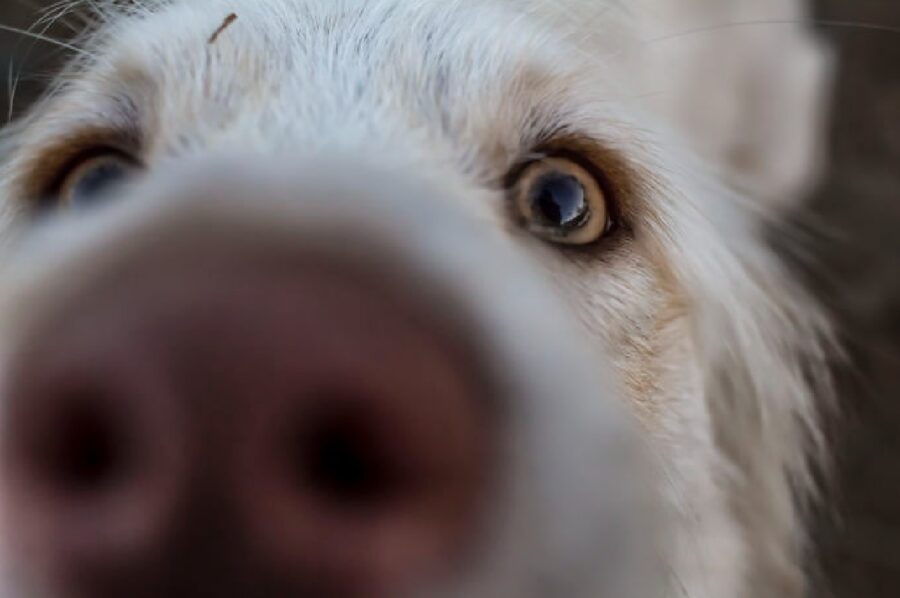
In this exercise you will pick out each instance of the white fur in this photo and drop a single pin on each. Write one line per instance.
(719, 353)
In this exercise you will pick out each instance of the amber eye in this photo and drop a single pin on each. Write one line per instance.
(560, 201)
(90, 181)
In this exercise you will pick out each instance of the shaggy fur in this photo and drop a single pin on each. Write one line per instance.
(705, 130)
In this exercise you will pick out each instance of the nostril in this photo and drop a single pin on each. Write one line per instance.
(87, 434)
(92, 459)
(82, 447)
(341, 457)
(369, 489)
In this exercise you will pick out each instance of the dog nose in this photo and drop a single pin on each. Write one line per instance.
(245, 427)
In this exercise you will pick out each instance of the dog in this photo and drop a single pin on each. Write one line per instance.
(497, 270)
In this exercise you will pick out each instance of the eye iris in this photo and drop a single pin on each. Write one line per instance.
(94, 182)
(559, 200)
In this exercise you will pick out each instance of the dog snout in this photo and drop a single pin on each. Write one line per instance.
(299, 423)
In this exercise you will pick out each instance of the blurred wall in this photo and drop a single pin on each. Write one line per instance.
(858, 274)
(856, 269)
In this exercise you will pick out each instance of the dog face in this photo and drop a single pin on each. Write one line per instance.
(505, 153)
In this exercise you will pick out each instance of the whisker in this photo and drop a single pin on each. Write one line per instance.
(52, 14)
(766, 22)
(59, 16)
(13, 77)
(44, 38)
(820, 23)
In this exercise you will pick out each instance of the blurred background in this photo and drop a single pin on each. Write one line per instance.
(855, 267)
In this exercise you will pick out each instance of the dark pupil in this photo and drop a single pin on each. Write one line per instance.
(559, 200)
(94, 184)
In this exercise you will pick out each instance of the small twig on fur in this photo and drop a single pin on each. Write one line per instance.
(225, 25)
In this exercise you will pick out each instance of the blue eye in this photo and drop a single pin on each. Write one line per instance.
(561, 202)
(91, 182)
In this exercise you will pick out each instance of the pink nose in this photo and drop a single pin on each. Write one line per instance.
(244, 427)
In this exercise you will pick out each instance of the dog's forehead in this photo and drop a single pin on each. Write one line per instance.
(279, 69)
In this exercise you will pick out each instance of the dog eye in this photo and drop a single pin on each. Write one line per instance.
(560, 201)
(89, 181)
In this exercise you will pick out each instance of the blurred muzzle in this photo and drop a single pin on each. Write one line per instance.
(340, 433)
(213, 396)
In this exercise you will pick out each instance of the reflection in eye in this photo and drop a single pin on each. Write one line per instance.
(560, 201)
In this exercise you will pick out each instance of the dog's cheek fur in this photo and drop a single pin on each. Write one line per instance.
(725, 356)
(761, 345)
(644, 322)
